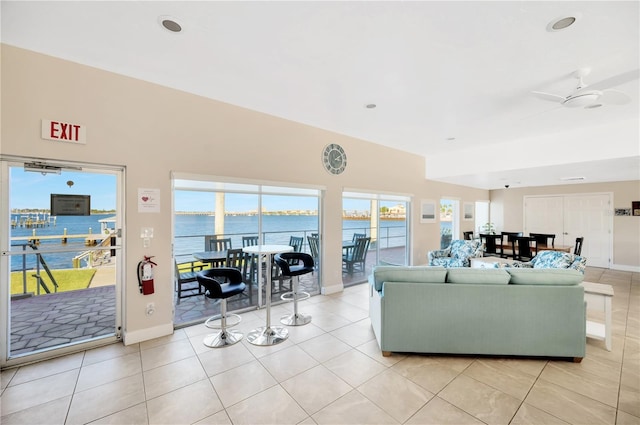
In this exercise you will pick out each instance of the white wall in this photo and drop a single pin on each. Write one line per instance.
(507, 211)
(152, 131)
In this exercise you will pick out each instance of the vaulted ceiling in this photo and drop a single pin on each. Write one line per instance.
(450, 81)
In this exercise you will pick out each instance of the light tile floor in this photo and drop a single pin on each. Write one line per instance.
(331, 372)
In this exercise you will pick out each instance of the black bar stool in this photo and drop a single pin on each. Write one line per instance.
(221, 283)
(294, 265)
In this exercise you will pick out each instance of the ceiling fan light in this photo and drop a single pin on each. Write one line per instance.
(581, 100)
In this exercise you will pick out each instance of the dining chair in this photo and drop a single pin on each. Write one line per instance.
(507, 237)
(578, 248)
(542, 239)
(524, 248)
(492, 244)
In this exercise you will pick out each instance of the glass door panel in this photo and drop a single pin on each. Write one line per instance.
(382, 218)
(62, 265)
(246, 215)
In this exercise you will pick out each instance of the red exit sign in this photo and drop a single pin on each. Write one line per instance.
(64, 131)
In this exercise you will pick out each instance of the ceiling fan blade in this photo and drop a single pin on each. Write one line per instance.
(614, 81)
(548, 96)
(614, 97)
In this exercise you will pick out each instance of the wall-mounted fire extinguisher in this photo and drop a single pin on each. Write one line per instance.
(145, 275)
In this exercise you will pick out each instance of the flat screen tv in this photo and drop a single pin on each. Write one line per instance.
(70, 204)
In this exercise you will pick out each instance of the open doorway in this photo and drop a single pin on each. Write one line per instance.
(449, 221)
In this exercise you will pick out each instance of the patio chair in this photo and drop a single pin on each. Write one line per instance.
(253, 267)
(186, 284)
(240, 260)
(314, 248)
(354, 257)
(216, 243)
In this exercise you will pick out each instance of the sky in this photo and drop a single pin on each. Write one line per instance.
(33, 190)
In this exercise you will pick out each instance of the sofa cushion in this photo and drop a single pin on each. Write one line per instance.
(426, 274)
(521, 276)
(484, 276)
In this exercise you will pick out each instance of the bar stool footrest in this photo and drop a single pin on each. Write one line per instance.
(289, 296)
(235, 321)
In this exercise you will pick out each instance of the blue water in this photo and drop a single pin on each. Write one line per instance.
(190, 230)
(73, 224)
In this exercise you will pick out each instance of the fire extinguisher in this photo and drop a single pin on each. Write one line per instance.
(145, 275)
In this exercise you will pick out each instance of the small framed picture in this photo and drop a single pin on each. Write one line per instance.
(635, 208)
(428, 211)
(468, 211)
(622, 211)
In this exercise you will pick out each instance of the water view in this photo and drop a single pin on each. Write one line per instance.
(189, 233)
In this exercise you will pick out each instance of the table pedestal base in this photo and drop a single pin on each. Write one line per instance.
(268, 336)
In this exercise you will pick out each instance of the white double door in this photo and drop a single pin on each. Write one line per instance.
(573, 216)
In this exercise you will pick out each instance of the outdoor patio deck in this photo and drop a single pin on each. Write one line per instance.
(55, 319)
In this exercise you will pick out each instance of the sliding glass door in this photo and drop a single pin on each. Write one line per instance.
(381, 218)
(244, 214)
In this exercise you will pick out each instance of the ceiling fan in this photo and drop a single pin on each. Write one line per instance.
(594, 95)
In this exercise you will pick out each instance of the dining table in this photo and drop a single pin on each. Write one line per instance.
(215, 258)
(561, 248)
(267, 335)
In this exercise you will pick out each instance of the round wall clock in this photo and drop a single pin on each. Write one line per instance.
(334, 158)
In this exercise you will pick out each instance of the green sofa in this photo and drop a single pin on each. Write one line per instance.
(504, 312)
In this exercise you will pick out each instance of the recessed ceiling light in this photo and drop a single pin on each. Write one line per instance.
(370, 106)
(571, 179)
(450, 139)
(562, 22)
(593, 106)
(170, 24)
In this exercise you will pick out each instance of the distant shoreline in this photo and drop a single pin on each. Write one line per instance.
(282, 213)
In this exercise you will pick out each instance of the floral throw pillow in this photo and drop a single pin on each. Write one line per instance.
(552, 260)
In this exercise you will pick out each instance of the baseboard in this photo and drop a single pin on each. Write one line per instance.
(625, 268)
(147, 333)
(334, 289)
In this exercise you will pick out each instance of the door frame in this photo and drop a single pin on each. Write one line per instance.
(5, 222)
